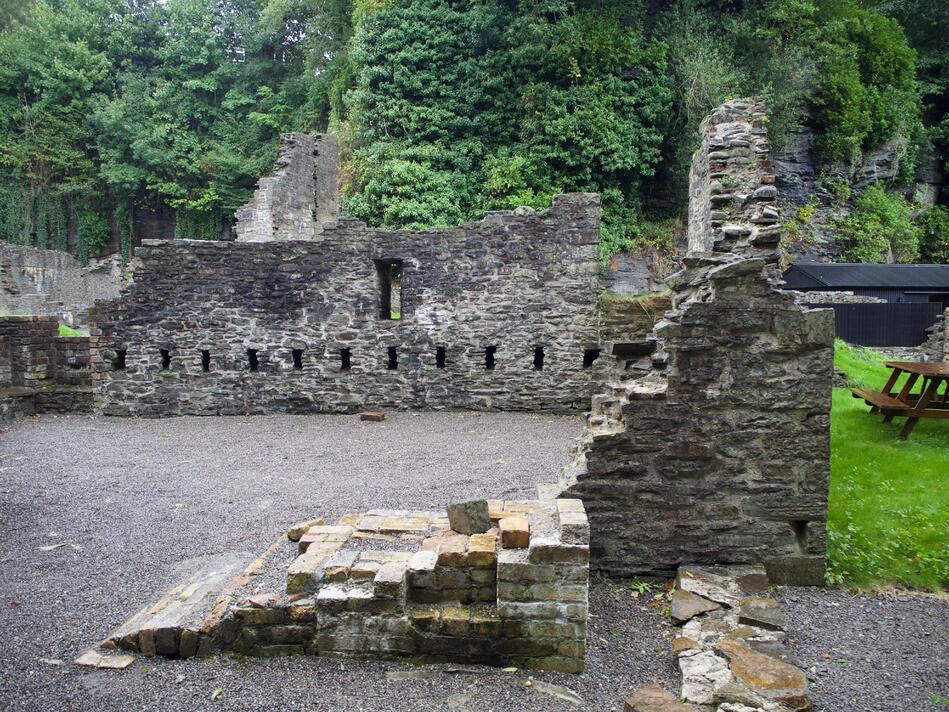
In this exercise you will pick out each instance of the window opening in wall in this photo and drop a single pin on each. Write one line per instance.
(799, 527)
(489, 357)
(393, 358)
(538, 358)
(165, 359)
(390, 288)
(589, 356)
(252, 361)
(118, 363)
(440, 357)
(345, 359)
(297, 358)
(205, 361)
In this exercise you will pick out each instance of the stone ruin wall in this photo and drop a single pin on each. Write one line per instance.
(300, 194)
(51, 282)
(40, 371)
(719, 450)
(514, 282)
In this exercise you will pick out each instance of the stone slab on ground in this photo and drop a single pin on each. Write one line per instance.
(157, 629)
(372, 416)
(653, 698)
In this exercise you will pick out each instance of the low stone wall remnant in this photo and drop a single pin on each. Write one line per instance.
(393, 583)
(40, 371)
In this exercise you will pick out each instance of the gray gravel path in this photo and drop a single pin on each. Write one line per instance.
(136, 502)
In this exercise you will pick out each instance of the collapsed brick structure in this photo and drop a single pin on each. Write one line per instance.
(496, 314)
(718, 450)
(40, 371)
(393, 584)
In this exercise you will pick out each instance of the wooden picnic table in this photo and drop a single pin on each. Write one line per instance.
(926, 404)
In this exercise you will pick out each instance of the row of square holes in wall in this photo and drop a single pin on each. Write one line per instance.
(346, 361)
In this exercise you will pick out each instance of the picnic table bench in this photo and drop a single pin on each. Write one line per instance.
(926, 404)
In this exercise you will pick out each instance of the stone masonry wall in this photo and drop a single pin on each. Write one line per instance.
(51, 282)
(301, 192)
(524, 285)
(720, 453)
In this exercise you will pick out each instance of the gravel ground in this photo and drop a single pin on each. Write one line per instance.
(137, 502)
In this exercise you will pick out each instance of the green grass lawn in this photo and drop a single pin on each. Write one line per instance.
(889, 498)
(65, 330)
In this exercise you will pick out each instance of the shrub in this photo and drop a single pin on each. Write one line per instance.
(934, 240)
(880, 229)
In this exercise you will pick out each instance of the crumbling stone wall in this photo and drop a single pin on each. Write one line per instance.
(302, 192)
(496, 314)
(51, 282)
(936, 346)
(41, 371)
(720, 452)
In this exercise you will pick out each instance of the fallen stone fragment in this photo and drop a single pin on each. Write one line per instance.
(686, 605)
(762, 612)
(372, 416)
(515, 533)
(298, 530)
(653, 698)
(767, 676)
(702, 675)
(722, 584)
(91, 658)
(681, 644)
(263, 600)
(469, 517)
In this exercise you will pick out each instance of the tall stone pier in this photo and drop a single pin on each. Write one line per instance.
(717, 448)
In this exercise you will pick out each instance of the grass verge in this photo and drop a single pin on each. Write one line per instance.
(889, 498)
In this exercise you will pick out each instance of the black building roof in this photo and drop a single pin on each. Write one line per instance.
(817, 275)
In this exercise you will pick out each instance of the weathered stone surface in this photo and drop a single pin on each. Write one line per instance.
(685, 605)
(719, 450)
(515, 533)
(299, 326)
(767, 676)
(469, 517)
(763, 612)
(298, 530)
(703, 674)
(111, 661)
(725, 585)
(653, 698)
(372, 416)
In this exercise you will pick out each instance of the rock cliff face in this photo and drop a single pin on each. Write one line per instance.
(803, 182)
(719, 453)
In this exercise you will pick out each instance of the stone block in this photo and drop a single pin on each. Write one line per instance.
(372, 416)
(469, 517)
(685, 606)
(390, 580)
(298, 530)
(482, 550)
(515, 533)
(551, 551)
(337, 567)
(303, 572)
(653, 698)
(453, 550)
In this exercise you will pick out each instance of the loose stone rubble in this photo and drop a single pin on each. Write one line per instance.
(730, 647)
(392, 583)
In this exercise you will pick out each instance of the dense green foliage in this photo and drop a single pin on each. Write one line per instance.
(108, 103)
(445, 108)
(452, 108)
(889, 507)
(934, 240)
(880, 229)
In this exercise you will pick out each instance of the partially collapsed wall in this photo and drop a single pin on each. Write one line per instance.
(52, 282)
(497, 314)
(300, 193)
(719, 452)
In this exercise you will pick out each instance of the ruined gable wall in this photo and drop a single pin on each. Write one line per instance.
(300, 193)
(515, 282)
(720, 454)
